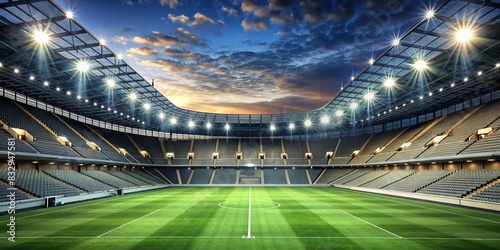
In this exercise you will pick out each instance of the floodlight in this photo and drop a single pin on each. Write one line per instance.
(58, 89)
(339, 113)
(496, 66)
(16, 71)
(372, 61)
(161, 115)
(78, 97)
(82, 66)
(389, 82)
(45, 83)
(353, 106)
(480, 73)
(466, 79)
(429, 14)
(352, 78)
(68, 93)
(227, 127)
(463, 35)
(324, 119)
(209, 125)
(173, 121)
(395, 42)
(119, 56)
(420, 65)
(191, 124)
(369, 96)
(110, 82)
(308, 123)
(69, 14)
(147, 106)
(132, 96)
(272, 127)
(102, 42)
(1, 65)
(41, 37)
(291, 126)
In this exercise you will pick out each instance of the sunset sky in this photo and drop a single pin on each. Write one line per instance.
(248, 56)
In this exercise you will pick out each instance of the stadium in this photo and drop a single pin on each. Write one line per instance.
(405, 155)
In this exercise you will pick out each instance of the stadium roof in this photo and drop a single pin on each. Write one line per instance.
(451, 55)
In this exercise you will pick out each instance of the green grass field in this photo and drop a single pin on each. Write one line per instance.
(273, 217)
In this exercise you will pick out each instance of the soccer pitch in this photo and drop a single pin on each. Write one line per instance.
(254, 218)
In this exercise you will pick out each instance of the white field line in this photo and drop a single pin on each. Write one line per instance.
(370, 223)
(249, 235)
(264, 237)
(327, 204)
(435, 209)
(127, 223)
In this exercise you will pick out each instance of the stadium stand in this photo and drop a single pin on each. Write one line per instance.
(40, 184)
(272, 150)
(129, 178)
(347, 147)
(319, 148)
(169, 173)
(417, 181)
(227, 152)
(333, 174)
(274, 176)
(107, 178)
(491, 194)
(387, 179)
(225, 176)
(201, 176)
(4, 193)
(250, 149)
(296, 151)
(181, 150)
(153, 146)
(78, 180)
(460, 182)
(203, 150)
(298, 176)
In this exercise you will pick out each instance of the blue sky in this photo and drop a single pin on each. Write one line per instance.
(247, 56)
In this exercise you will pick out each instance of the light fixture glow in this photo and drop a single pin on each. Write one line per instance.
(68, 93)
(209, 125)
(46, 83)
(161, 115)
(102, 42)
(308, 123)
(110, 82)
(272, 127)
(420, 65)
(480, 73)
(466, 79)
(191, 124)
(324, 119)
(82, 66)
(132, 96)
(372, 61)
(1, 65)
(173, 121)
(291, 126)
(69, 14)
(452, 85)
(16, 71)
(119, 56)
(429, 14)
(147, 106)
(369, 96)
(353, 106)
(41, 37)
(32, 78)
(389, 82)
(227, 127)
(463, 35)
(396, 42)
(58, 89)
(339, 113)
(496, 66)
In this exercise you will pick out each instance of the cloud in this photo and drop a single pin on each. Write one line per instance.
(182, 54)
(180, 19)
(199, 19)
(145, 51)
(170, 3)
(120, 39)
(229, 11)
(126, 30)
(255, 24)
(187, 35)
(159, 40)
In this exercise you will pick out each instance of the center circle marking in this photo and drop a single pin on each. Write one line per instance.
(230, 204)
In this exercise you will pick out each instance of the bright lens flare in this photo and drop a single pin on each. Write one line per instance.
(41, 37)
(390, 82)
(420, 65)
(369, 96)
(463, 35)
(82, 66)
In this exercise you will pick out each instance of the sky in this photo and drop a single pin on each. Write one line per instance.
(247, 56)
